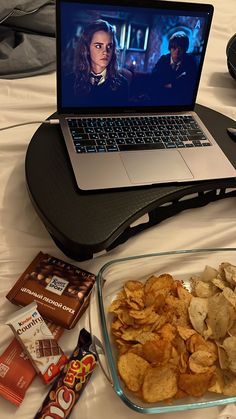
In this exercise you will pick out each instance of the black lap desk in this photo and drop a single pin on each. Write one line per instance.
(84, 223)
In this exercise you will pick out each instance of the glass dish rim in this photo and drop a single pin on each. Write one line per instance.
(112, 368)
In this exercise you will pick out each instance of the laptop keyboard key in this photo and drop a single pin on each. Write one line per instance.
(81, 136)
(80, 149)
(112, 148)
(101, 148)
(129, 147)
(120, 141)
(101, 142)
(84, 143)
(91, 149)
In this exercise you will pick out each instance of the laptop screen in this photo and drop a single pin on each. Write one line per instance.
(129, 55)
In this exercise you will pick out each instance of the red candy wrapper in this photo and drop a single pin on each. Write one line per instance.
(16, 370)
(37, 342)
(67, 389)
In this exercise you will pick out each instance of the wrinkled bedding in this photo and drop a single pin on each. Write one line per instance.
(23, 235)
(27, 38)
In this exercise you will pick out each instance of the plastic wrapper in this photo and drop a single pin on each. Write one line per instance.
(67, 389)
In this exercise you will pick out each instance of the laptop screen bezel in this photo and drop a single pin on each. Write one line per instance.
(156, 4)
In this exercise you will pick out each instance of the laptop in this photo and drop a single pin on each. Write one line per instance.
(128, 73)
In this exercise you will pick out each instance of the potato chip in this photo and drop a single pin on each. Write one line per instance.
(123, 346)
(223, 358)
(130, 334)
(212, 347)
(179, 344)
(230, 296)
(141, 314)
(219, 283)
(132, 368)
(115, 305)
(218, 382)
(175, 358)
(208, 274)
(195, 343)
(185, 332)
(180, 308)
(195, 384)
(160, 383)
(203, 289)
(229, 383)
(157, 351)
(160, 321)
(229, 346)
(180, 394)
(183, 293)
(138, 298)
(158, 283)
(125, 318)
(232, 329)
(198, 310)
(167, 331)
(202, 361)
(145, 336)
(132, 304)
(156, 300)
(229, 272)
(131, 286)
(220, 315)
(152, 319)
(183, 362)
(116, 324)
(135, 294)
(149, 299)
(137, 349)
(116, 328)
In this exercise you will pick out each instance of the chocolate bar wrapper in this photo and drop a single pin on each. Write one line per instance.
(67, 389)
(38, 342)
(61, 290)
(17, 371)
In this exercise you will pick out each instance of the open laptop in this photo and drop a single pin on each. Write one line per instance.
(135, 125)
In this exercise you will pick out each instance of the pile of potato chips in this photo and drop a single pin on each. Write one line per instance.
(172, 343)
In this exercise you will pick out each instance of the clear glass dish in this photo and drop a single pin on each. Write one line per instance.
(182, 265)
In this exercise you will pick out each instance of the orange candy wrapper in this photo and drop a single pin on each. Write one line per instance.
(67, 389)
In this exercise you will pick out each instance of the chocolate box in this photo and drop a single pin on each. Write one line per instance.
(60, 289)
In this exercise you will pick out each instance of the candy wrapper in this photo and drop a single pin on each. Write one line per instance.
(61, 290)
(67, 389)
(17, 371)
(38, 342)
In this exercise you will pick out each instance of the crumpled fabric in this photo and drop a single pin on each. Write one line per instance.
(27, 38)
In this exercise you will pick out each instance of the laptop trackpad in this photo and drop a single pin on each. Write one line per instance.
(155, 166)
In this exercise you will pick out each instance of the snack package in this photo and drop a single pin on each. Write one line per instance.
(16, 370)
(67, 389)
(61, 290)
(16, 373)
(37, 341)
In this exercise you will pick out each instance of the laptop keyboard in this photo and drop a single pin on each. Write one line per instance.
(106, 134)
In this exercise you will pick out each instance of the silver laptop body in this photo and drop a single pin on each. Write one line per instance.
(101, 166)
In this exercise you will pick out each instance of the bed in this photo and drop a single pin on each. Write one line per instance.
(23, 234)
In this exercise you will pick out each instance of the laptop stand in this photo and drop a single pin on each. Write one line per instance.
(85, 223)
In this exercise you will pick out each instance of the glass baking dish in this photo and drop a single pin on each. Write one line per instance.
(182, 265)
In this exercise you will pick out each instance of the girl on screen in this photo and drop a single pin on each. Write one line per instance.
(96, 79)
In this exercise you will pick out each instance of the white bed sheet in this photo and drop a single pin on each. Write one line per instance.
(23, 234)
